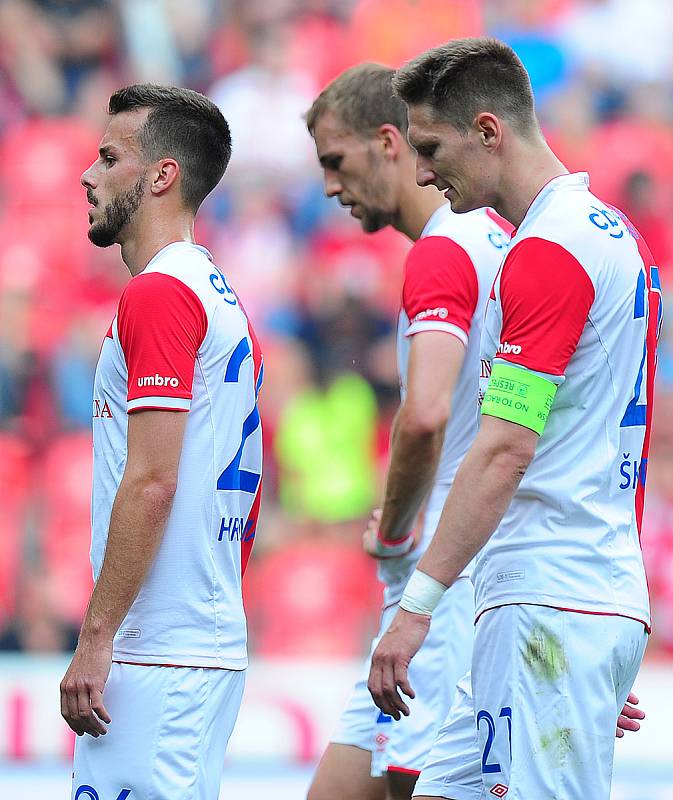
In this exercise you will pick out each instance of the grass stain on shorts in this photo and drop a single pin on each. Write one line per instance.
(544, 655)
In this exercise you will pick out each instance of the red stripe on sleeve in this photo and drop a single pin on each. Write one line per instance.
(546, 296)
(440, 283)
(161, 324)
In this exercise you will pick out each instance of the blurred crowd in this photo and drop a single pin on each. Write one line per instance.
(322, 295)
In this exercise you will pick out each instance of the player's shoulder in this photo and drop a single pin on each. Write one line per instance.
(183, 261)
(479, 222)
(191, 266)
(581, 226)
(436, 256)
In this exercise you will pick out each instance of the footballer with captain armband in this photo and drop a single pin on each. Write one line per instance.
(571, 328)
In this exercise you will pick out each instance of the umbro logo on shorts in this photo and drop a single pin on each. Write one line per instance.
(381, 741)
(500, 790)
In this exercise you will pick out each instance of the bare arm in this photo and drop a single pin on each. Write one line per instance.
(435, 360)
(481, 493)
(482, 490)
(139, 516)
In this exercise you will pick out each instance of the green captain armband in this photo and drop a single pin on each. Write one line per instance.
(519, 396)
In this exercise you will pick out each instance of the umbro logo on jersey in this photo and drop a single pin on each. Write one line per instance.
(500, 790)
(442, 313)
(158, 380)
(506, 347)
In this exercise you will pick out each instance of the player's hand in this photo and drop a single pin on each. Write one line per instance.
(390, 662)
(82, 688)
(371, 543)
(628, 719)
(370, 535)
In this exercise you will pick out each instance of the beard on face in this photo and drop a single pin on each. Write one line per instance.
(374, 219)
(116, 215)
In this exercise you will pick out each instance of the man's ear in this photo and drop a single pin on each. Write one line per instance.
(391, 140)
(166, 172)
(489, 128)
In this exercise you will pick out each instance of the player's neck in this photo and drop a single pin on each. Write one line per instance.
(417, 205)
(138, 250)
(531, 167)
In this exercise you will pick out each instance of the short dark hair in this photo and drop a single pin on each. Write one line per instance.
(464, 77)
(363, 99)
(183, 125)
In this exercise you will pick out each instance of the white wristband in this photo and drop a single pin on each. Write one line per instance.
(422, 594)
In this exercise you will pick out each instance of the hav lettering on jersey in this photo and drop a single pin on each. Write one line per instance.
(235, 530)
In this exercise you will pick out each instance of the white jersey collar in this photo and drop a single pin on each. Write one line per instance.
(436, 219)
(174, 245)
(571, 181)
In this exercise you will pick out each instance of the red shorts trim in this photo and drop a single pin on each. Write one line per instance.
(404, 770)
(175, 666)
(572, 610)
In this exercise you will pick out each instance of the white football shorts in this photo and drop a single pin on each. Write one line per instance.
(167, 739)
(444, 657)
(538, 718)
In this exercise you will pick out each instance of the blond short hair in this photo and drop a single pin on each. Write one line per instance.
(363, 99)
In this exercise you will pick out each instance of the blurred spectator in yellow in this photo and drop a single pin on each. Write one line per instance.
(325, 450)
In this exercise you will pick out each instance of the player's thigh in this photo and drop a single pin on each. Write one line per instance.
(169, 731)
(344, 774)
(443, 659)
(400, 785)
(547, 686)
(452, 769)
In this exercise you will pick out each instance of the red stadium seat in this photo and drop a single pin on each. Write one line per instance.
(44, 158)
(312, 597)
(14, 479)
(66, 525)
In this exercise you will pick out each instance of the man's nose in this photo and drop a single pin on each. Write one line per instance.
(424, 175)
(87, 180)
(333, 185)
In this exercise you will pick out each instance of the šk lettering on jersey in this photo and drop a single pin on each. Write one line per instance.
(632, 471)
(158, 380)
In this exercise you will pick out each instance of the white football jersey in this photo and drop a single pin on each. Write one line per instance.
(577, 301)
(449, 272)
(182, 342)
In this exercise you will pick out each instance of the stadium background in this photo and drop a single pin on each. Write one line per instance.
(323, 298)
